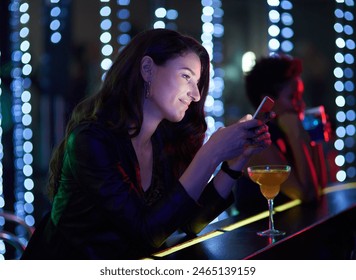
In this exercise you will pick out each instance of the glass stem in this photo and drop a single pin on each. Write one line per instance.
(270, 209)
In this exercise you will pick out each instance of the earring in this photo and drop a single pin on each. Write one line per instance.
(147, 89)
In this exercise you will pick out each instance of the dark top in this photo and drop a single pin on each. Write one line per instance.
(101, 210)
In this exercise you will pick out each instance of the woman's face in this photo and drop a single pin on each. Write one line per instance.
(174, 86)
(290, 98)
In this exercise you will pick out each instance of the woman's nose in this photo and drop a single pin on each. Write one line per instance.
(194, 93)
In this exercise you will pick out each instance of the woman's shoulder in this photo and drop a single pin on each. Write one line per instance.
(94, 140)
(96, 130)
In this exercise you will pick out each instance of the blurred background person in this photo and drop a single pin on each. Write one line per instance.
(279, 77)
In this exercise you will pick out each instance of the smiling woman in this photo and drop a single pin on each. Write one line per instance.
(132, 168)
(181, 76)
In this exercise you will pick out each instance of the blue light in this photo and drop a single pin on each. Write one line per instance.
(55, 24)
(287, 32)
(339, 13)
(105, 24)
(105, 11)
(27, 147)
(349, 58)
(346, 45)
(349, 86)
(172, 14)
(55, 12)
(160, 12)
(29, 184)
(350, 44)
(105, 37)
(348, 30)
(287, 19)
(123, 2)
(287, 46)
(123, 14)
(218, 30)
(56, 37)
(24, 46)
(107, 50)
(350, 157)
(125, 26)
(286, 5)
(349, 16)
(24, 32)
(24, 19)
(349, 73)
(27, 69)
(338, 72)
(29, 208)
(124, 39)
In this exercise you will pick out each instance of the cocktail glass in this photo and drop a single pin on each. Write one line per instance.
(269, 178)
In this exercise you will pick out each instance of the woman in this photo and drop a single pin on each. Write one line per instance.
(279, 77)
(132, 168)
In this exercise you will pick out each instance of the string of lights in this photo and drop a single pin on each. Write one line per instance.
(2, 200)
(21, 69)
(124, 26)
(165, 18)
(211, 37)
(105, 36)
(345, 88)
(280, 31)
(56, 15)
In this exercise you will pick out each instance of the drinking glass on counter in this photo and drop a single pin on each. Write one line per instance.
(269, 178)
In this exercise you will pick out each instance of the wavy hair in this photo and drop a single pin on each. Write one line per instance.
(119, 102)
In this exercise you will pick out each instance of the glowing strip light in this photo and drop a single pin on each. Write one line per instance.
(252, 219)
(335, 188)
(247, 221)
(262, 215)
(211, 37)
(222, 230)
(280, 30)
(188, 243)
(344, 85)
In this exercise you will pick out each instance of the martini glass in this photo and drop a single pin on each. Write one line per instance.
(269, 178)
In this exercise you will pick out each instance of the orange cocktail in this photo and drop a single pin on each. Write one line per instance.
(269, 178)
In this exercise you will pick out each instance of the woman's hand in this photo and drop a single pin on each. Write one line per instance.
(241, 139)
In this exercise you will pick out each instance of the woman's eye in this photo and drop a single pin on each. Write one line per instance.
(187, 77)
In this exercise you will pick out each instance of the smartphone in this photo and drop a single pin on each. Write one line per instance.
(263, 111)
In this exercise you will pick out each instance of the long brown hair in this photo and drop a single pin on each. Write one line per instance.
(119, 102)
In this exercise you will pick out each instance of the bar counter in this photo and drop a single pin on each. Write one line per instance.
(324, 230)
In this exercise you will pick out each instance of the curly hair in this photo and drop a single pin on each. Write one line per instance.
(269, 75)
(119, 102)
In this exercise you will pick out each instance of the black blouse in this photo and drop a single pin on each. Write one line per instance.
(101, 210)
